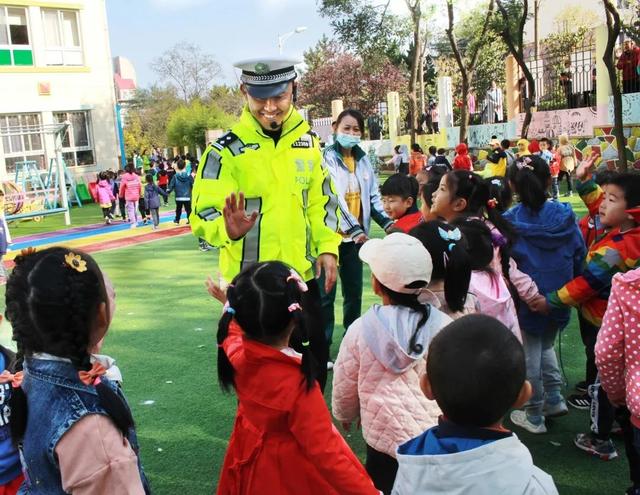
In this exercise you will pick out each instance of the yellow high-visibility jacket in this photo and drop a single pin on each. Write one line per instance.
(286, 183)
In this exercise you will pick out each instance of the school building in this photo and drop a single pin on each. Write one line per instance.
(56, 66)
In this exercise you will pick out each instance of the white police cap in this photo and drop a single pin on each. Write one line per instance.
(267, 77)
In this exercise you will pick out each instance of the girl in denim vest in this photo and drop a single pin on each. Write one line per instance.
(72, 424)
(283, 440)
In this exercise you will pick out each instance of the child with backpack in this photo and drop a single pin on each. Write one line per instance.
(451, 273)
(476, 373)
(550, 249)
(400, 202)
(72, 423)
(182, 184)
(283, 439)
(152, 194)
(104, 192)
(377, 373)
(130, 188)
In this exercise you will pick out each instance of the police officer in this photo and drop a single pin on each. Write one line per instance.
(261, 192)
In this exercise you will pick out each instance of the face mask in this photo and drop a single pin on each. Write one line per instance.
(347, 140)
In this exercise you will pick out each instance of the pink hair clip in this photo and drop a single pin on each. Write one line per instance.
(294, 307)
(298, 280)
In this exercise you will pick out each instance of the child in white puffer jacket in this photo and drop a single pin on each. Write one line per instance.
(382, 357)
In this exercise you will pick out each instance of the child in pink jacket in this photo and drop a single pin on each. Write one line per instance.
(376, 379)
(130, 188)
(618, 361)
(105, 196)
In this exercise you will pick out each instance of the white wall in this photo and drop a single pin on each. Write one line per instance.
(72, 88)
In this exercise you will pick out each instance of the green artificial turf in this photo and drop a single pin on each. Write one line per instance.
(163, 337)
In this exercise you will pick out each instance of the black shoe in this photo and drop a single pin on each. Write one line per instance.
(582, 386)
(579, 401)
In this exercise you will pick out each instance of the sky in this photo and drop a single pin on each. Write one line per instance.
(233, 30)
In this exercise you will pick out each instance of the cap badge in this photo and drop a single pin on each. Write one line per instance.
(262, 68)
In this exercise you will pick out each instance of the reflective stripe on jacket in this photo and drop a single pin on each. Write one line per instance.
(285, 182)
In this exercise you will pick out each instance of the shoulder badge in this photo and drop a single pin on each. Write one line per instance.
(231, 141)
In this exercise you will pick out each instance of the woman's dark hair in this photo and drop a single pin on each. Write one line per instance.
(261, 297)
(351, 112)
(416, 147)
(52, 308)
(500, 190)
(478, 241)
(411, 301)
(530, 177)
(435, 174)
(450, 258)
(476, 191)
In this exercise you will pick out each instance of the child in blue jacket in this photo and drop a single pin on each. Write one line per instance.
(550, 249)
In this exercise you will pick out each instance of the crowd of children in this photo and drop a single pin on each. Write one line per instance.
(472, 291)
(140, 190)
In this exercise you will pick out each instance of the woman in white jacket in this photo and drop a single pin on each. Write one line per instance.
(360, 202)
(382, 357)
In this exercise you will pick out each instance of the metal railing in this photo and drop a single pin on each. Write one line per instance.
(562, 80)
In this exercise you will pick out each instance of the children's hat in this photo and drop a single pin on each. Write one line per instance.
(398, 261)
(267, 77)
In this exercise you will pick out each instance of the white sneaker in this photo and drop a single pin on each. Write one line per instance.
(519, 418)
(329, 365)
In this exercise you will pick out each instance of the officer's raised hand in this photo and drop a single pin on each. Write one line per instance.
(236, 221)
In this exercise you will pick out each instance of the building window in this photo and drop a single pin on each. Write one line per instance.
(77, 146)
(25, 141)
(15, 48)
(62, 37)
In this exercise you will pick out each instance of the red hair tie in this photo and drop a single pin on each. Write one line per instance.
(15, 379)
(92, 377)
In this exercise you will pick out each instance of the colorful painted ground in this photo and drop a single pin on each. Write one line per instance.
(163, 337)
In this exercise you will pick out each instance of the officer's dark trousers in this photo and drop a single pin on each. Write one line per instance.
(350, 272)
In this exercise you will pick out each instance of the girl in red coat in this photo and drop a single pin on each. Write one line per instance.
(283, 441)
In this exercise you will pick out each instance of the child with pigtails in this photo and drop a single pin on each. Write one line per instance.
(283, 439)
(72, 424)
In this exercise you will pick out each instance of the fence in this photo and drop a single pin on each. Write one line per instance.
(561, 80)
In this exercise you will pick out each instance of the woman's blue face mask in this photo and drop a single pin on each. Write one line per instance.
(347, 140)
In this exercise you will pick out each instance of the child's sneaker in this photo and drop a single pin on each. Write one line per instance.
(555, 410)
(177, 222)
(604, 449)
(579, 401)
(582, 386)
(134, 225)
(521, 419)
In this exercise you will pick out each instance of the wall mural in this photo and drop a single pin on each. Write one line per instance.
(575, 122)
(630, 108)
(478, 136)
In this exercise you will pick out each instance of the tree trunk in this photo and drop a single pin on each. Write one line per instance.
(613, 28)
(466, 71)
(514, 42)
(415, 63)
(421, 78)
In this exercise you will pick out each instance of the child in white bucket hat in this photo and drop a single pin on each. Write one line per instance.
(377, 373)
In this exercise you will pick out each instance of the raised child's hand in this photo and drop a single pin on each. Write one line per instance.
(215, 290)
(583, 172)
